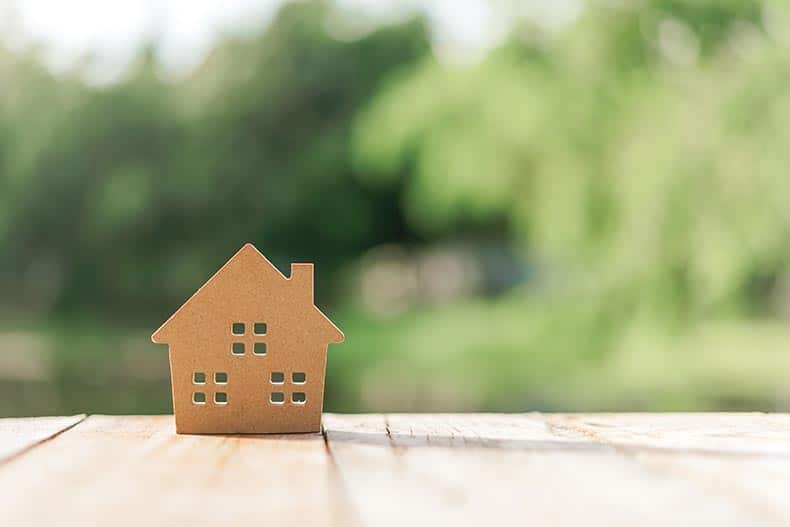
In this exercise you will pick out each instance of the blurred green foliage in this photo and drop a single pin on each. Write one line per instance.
(635, 160)
(129, 195)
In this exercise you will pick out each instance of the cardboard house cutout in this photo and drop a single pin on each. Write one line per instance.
(248, 351)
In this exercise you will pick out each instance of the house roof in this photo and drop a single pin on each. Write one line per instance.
(249, 255)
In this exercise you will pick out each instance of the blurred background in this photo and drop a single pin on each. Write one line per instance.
(512, 205)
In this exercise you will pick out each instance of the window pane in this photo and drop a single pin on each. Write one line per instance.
(259, 348)
(199, 377)
(221, 377)
(278, 377)
(237, 328)
(221, 398)
(238, 348)
(298, 377)
(259, 328)
(298, 398)
(277, 397)
(199, 398)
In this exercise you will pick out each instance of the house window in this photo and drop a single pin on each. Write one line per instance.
(298, 398)
(199, 398)
(277, 398)
(199, 377)
(278, 377)
(239, 329)
(220, 398)
(220, 377)
(298, 377)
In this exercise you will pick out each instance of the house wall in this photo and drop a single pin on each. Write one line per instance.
(248, 290)
(249, 388)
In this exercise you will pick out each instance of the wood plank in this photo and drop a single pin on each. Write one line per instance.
(485, 430)
(743, 456)
(18, 435)
(446, 470)
(758, 482)
(606, 469)
(724, 433)
(136, 471)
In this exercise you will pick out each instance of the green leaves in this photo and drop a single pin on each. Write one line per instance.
(606, 160)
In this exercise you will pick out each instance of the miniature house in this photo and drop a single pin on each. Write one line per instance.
(248, 351)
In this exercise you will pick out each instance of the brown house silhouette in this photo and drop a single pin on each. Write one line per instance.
(248, 351)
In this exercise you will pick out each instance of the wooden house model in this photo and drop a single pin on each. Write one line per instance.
(248, 351)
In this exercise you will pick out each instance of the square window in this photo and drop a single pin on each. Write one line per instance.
(220, 377)
(221, 398)
(237, 348)
(298, 398)
(277, 397)
(298, 377)
(259, 328)
(259, 348)
(237, 328)
(199, 398)
(278, 377)
(199, 378)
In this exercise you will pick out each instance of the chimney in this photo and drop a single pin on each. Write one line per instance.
(302, 278)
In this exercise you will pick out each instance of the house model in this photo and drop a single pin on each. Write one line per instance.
(248, 351)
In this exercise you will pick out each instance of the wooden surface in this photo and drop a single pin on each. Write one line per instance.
(20, 435)
(519, 469)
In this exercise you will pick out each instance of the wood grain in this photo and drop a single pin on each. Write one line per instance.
(512, 470)
(742, 457)
(473, 469)
(136, 471)
(20, 434)
(714, 433)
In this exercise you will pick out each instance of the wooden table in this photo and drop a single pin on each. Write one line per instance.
(473, 469)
